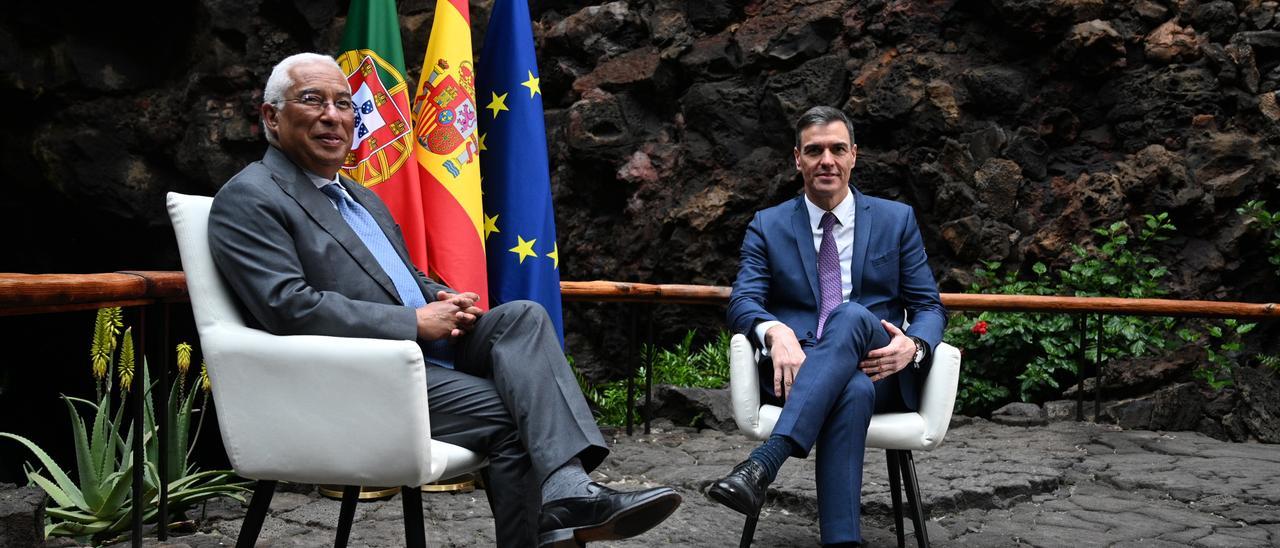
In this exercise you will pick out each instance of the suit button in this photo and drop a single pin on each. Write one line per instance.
(809, 335)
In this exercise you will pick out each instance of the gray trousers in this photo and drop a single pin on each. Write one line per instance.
(513, 398)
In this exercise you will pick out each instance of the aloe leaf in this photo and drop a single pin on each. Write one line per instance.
(84, 459)
(118, 494)
(218, 476)
(179, 428)
(101, 447)
(71, 515)
(64, 482)
(58, 495)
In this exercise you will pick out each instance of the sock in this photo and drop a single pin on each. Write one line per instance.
(566, 481)
(771, 454)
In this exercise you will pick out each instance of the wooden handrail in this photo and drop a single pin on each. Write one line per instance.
(42, 293)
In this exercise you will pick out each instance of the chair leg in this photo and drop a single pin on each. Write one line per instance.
(913, 496)
(895, 491)
(257, 513)
(749, 529)
(350, 494)
(415, 534)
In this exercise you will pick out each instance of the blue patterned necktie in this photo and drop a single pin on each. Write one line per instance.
(828, 271)
(360, 221)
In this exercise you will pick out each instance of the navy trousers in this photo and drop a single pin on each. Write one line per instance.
(830, 404)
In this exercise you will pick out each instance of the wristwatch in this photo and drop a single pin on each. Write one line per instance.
(918, 358)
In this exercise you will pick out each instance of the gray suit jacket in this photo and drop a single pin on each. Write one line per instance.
(295, 264)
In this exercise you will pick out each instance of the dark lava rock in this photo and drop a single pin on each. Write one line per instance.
(21, 516)
(697, 407)
(1093, 48)
(996, 88)
(1259, 402)
(1217, 19)
(1019, 414)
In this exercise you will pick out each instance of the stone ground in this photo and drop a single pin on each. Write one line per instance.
(1065, 484)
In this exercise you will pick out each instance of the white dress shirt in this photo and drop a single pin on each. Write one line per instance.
(844, 212)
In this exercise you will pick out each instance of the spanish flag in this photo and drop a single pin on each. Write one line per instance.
(448, 142)
(381, 156)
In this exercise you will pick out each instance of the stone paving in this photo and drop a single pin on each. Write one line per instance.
(1065, 484)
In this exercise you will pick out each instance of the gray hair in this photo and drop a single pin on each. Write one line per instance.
(280, 81)
(821, 116)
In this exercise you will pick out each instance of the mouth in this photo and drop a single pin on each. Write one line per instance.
(330, 139)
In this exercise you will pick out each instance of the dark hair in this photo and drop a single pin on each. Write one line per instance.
(821, 116)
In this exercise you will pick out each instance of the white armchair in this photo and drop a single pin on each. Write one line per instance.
(897, 433)
(311, 409)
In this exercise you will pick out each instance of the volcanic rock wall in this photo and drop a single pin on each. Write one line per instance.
(1012, 127)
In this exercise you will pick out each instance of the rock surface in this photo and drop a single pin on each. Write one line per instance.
(21, 516)
(988, 485)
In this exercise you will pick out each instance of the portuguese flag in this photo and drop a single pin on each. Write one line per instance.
(448, 142)
(382, 148)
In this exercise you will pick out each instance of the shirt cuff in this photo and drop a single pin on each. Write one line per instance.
(761, 329)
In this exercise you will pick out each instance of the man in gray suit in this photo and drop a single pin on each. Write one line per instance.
(307, 251)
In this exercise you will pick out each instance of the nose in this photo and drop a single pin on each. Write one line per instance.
(827, 158)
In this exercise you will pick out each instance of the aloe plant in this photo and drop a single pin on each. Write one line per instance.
(99, 503)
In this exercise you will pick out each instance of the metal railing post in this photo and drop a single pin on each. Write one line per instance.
(648, 368)
(139, 389)
(1082, 322)
(1098, 364)
(631, 375)
(162, 424)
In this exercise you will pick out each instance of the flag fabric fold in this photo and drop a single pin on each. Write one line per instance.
(447, 145)
(382, 148)
(519, 222)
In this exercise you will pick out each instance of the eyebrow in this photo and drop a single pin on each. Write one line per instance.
(317, 91)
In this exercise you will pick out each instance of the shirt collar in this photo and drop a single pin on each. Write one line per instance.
(320, 182)
(843, 210)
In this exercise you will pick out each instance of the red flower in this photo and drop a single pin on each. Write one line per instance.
(979, 328)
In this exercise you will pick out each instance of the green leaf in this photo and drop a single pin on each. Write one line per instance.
(84, 459)
(65, 485)
(121, 487)
(58, 495)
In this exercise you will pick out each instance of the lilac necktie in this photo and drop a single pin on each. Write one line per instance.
(828, 270)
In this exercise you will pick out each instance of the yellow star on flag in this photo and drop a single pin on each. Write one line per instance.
(482, 147)
(523, 248)
(498, 104)
(490, 226)
(532, 84)
(555, 256)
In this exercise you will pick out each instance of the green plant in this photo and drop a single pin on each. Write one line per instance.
(1268, 221)
(707, 367)
(1222, 346)
(1036, 349)
(100, 502)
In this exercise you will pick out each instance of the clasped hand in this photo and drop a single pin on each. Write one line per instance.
(788, 356)
(450, 315)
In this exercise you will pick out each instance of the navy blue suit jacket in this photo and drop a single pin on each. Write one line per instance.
(778, 276)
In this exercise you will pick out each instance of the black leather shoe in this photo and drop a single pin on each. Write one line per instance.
(605, 514)
(743, 489)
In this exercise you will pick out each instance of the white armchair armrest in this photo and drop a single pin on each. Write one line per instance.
(318, 409)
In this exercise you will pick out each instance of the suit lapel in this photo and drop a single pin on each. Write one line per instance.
(862, 223)
(297, 185)
(803, 232)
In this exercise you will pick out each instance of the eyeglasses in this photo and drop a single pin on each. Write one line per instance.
(315, 102)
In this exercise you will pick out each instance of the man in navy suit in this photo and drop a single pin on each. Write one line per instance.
(824, 285)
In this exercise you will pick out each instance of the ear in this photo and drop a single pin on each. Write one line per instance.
(796, 151)
(853, 151)
(270, 117)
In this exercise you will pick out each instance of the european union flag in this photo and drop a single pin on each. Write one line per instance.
(519, 224)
